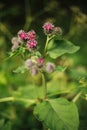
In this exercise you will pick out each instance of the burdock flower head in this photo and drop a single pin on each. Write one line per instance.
(22, 35)
(15, 43)
(50, 67)
(31, 44)
(29, 63)
(31, 35)
(48, 28)
(31, 66)
(40, 62)
(57, 31)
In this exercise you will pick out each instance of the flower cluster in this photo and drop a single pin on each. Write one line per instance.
(49, 29)
(36, 65)
(27, 39)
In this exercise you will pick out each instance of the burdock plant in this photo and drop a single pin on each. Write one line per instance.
(54, 113)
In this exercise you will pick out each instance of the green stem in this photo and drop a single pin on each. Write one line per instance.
(77, 97)
(47, 42)
(44, 85)
(8, 99)
(45, 49)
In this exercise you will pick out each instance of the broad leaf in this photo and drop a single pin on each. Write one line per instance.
(58, 47)
(20, 69)
(58, 114)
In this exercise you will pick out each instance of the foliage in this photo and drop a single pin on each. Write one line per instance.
(56, 115)
(21, 92)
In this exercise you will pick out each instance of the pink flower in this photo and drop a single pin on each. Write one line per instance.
(31, 35)
(22, 35)
(32, 44)
(48, 27)
(40, 60)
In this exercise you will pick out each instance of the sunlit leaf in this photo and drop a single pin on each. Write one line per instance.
(58, 47)
(58, 114)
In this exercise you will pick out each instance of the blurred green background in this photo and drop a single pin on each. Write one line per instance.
(71, 16)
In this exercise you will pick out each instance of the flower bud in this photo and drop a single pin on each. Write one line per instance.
(29, 63)
(15, 40)
(57, 30)
(40, 62)
(34, 70)
(50, 67)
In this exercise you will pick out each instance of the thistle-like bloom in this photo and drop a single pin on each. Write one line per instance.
(50, 67)
(32, 44)
(15, 40)
(48, 28)
(22, 35)
(40, 62)
(31, 35)
(34, 70)
(29, 63)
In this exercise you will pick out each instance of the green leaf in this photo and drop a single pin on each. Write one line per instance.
(58, 47)
(38, 54)
(27, 95)
(58, 114)
(11, 54)
(61, 68)
(20, 50)
(20, 69)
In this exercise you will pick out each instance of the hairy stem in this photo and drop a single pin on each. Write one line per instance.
(77, 97)
(46, 44)
(44, 85)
